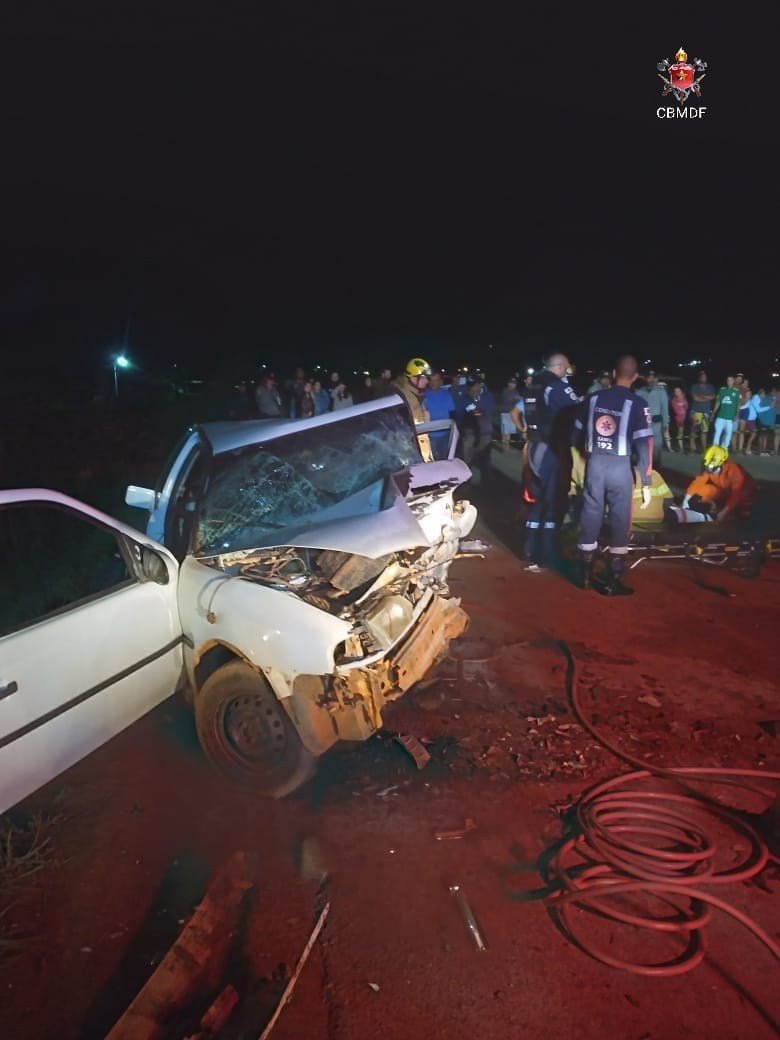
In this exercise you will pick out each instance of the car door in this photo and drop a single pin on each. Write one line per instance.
(442, 426)
(90, 637)
(166, 503)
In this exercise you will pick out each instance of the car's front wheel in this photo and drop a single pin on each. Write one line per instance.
(246, 733)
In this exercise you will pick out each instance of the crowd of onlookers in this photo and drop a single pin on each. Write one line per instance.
(685, 418)
(735, 416)
(304, 395)
(689, 418)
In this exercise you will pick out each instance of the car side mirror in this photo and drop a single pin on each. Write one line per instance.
(141, 498)
(154, 566)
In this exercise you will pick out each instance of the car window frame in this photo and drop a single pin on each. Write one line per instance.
(170, 461)
(201, 451)
(132, 561)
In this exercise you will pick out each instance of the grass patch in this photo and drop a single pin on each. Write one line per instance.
(26, 849)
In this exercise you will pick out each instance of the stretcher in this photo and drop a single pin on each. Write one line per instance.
(704, 542)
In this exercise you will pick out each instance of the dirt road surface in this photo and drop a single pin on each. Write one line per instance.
(678, 673)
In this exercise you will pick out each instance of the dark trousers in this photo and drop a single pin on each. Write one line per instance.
(609, 483)
(542, 522)
(658, 443)
(476, 452)
(475, 445)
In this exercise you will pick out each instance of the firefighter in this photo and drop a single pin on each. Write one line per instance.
(614, 423)
(549, 401)
(660, 493)
(411, 385)
(723, 489)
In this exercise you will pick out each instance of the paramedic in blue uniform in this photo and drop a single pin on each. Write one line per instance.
(614, 423)
(549, 401)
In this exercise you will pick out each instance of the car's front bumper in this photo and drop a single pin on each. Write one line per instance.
(350, 708)
(365, 690)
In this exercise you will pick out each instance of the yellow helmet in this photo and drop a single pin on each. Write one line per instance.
(714, 457)
(418, 366)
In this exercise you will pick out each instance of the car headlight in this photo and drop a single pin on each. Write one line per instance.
(388, 621)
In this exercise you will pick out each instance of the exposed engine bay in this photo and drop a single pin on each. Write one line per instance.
(381, 596)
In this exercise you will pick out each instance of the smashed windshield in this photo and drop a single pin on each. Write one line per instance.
(300, 477)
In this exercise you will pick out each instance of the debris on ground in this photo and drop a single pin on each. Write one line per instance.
(374, 986)
(506, 714)
(387, 790)
(197, 958)
(474, 545)
(415, 748)
(469, 825)
(218, 1014)
(651, 699)
(468, 916)
(288, 989)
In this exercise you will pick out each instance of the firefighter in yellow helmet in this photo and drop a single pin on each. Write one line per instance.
(411, 386)
(723, 488)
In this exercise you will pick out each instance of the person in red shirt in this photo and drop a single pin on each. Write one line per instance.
(679, 407)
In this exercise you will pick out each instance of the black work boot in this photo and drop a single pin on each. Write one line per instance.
(582, 570)
(616, 569)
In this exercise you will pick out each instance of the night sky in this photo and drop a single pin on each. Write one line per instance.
(280, 180)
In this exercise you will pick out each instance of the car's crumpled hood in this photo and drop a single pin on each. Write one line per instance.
(384, 531)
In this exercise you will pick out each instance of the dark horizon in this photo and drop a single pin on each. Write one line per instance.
(261, 185)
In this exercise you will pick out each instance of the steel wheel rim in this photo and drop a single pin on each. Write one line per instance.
(252, 730)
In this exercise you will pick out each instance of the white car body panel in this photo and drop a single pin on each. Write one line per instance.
(87, 672)
(275, 631)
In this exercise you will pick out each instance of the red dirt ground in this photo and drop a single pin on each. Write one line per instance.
(143, 821)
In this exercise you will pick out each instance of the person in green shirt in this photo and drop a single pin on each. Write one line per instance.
(725, 412)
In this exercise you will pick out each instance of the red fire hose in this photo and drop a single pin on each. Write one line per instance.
(650, 832)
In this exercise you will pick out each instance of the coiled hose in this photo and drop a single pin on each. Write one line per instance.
(650, 832)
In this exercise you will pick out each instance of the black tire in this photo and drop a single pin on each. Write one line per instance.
(246, 733)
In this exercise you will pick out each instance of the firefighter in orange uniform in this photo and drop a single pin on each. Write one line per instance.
(723, 488)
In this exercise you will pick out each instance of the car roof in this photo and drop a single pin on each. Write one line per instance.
(230, 436)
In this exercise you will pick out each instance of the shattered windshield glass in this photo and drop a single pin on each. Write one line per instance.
(284, 482)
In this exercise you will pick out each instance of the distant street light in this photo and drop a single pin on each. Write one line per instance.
(120, 361)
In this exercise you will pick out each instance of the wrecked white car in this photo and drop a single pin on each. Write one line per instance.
(302, 586)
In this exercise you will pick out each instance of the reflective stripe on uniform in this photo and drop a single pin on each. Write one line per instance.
(659, 491)
(625, 417)
(591, 413)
